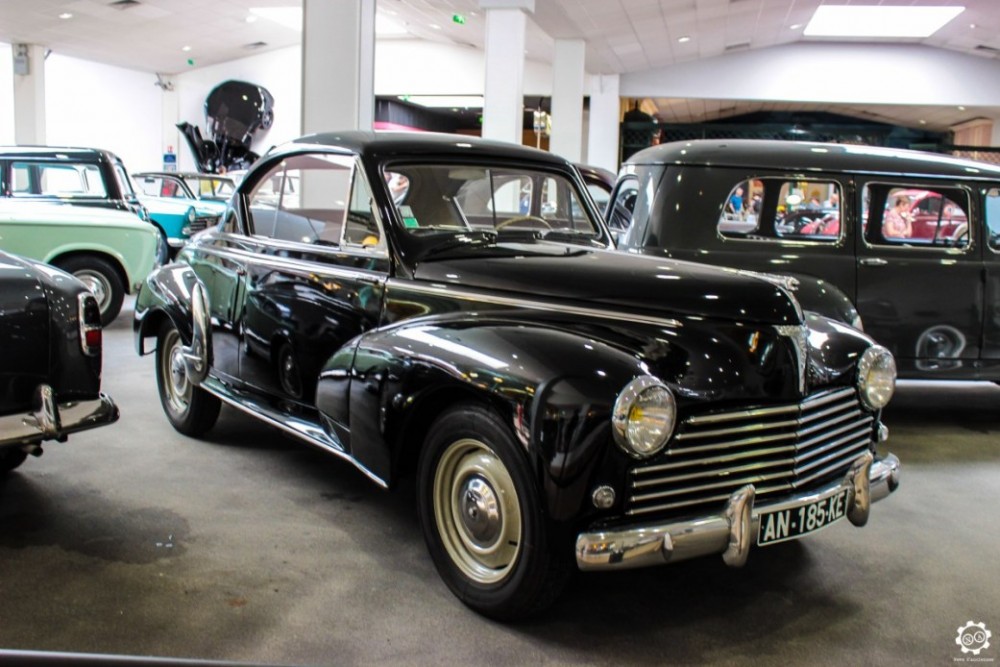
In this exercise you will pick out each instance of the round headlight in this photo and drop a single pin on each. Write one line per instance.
(644, 417)
(876, 377)
(191, 215)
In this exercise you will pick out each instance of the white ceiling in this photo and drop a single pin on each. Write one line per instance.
(621, 35)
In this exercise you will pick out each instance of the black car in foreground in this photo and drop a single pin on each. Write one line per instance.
(452, 308)
(50, 359)
(904, 243)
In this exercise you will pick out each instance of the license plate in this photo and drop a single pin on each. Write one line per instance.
(794, 522)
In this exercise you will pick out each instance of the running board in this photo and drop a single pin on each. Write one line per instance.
(304, 429)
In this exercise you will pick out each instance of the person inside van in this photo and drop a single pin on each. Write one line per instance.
(897, 222)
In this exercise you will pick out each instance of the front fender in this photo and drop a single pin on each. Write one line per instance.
(556, 387)
(825, 298)
(165, 295)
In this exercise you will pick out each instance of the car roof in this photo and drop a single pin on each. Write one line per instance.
(182, 174)
(386, 145)
(800, 155)
(56, 151)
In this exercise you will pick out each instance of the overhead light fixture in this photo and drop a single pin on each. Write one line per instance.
(961, 108)
(66, 15)
(435, 26)
(288, 17)
(445, 101)
(795, 26)
(185, 48)
(250, 18)
(879, 21)
(684, 40)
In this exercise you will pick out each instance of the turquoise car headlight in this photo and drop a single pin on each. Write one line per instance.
(876, 377)
(191, 215)
(644, 417)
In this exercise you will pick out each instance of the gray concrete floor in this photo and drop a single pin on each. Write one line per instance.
(248, 546)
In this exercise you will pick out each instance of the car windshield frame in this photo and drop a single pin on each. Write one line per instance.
(487, 208)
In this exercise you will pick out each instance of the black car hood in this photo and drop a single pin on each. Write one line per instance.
(619, 281)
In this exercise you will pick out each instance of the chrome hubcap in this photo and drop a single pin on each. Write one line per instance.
(98, 286)
(477, 511)
(175, 375)
(480, 511)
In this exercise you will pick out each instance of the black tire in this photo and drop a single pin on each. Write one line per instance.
(482, 517)
(190, 409)
(101, 278)
(10, 458)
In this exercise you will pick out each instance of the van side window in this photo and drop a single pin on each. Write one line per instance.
(993, 218)
(772, 209)
(895, 214)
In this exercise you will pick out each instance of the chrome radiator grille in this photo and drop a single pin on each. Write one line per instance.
(777, 449)
(204, 222)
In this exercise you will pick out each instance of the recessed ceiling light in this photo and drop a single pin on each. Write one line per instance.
(66, 15)
(795, 26)
(185, 48)
(923, 122)
(879, 20)
(435, 26)
(972, 25)
(251, 19)
(684, 39)
(961, 108)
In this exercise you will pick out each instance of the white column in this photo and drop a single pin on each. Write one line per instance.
(567, 99)
(29, 94)
(605, 112)
(171, 115)
(338, 65)
(503, 108)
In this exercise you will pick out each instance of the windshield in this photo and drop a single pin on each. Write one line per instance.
(439, 204)
(124, 181)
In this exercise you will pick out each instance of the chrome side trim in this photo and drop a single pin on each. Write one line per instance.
(656, 544)
(54, 421)
(303, 429)
(450, 292)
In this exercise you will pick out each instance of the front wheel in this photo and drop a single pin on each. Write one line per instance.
(482, 517)
(190, 409)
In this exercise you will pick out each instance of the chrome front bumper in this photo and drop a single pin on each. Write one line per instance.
(54, 421)
(732, 531)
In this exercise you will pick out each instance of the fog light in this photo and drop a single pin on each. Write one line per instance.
(603, 497)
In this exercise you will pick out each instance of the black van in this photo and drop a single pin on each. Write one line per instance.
(911, 239)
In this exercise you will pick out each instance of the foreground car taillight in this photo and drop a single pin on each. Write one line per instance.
(91, 339)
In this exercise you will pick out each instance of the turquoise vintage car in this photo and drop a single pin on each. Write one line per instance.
(178, 219)
(111, 251)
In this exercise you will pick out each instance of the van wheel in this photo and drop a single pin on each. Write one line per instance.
(10, 458)
(101, 279)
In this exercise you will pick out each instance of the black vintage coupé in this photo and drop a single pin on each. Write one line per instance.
(50, 359)
(453, 308)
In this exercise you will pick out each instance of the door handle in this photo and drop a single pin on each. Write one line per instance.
(873, 261)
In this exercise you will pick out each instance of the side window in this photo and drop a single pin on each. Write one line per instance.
(896, 214)
(21, 179)
(808, 210)
(620, 215)
(361, 228)
(151, 186)
(772, 209)
(741, 209)
(993, 218)
(303, 199)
